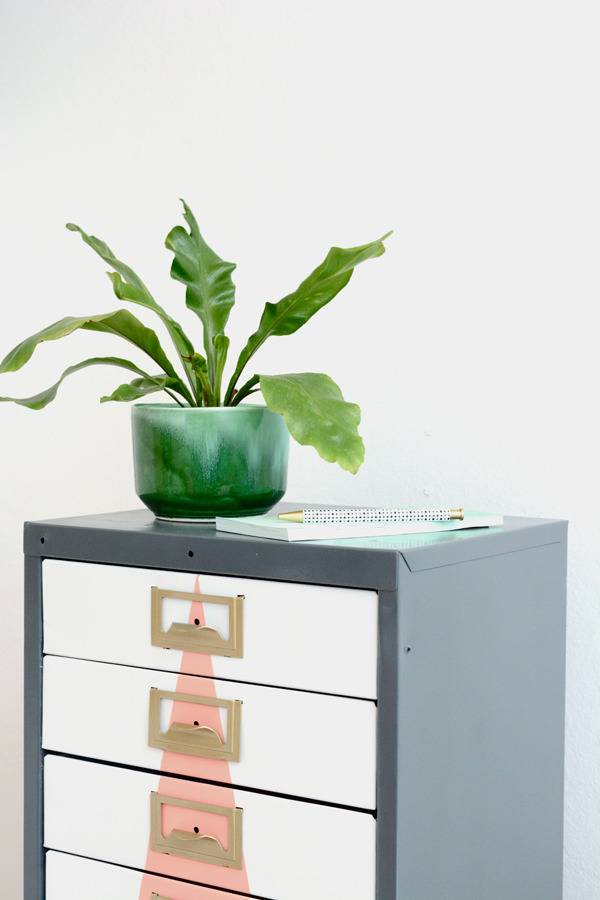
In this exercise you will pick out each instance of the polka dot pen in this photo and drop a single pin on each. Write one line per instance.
(356, 515)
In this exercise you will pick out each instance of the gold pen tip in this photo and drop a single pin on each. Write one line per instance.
(293, 516)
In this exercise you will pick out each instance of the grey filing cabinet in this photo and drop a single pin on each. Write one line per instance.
(431, 771)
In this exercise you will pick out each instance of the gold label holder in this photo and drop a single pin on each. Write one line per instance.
(193, 844)
(195, 740)
(196, 638)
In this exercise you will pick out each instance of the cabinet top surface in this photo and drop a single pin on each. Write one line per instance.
(136, 538)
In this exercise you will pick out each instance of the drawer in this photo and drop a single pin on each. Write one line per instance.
(74, 878)
(285, 634)
(207, 834)
(283, 741)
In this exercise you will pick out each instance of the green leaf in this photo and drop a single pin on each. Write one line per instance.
(127, 285)
(200, 369)
(210, 291)
(139, 387)
(39, 401)
(316, 413)
(321, 286)
(121, 323)
(126, 325)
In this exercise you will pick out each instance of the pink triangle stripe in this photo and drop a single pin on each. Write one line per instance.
(213, 769)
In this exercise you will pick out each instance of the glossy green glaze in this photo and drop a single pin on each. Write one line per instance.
(196, 463)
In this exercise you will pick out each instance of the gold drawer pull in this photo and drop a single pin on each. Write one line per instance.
(198, 638)
(194, 844)
(154, 896)
(195, 739)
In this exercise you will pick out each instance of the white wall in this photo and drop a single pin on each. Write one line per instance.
(471, 128)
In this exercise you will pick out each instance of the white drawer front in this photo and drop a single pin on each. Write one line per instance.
(288, 849)
(290, 742)
(294, 635)
(74, 878)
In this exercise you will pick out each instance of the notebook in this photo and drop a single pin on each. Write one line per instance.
(271, 527)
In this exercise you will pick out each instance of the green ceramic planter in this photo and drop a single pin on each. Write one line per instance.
(215, 461)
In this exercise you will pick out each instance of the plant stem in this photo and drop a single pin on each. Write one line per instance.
(217, 390)
(173, 397)
(191, 377)
(244, 391)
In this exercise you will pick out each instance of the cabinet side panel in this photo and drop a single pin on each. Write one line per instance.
(387, 741)
(33, 884)
(481, 743)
